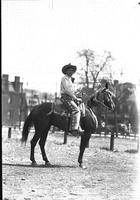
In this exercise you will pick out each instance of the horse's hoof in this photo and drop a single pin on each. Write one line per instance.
(48, 164)
(34, 164)
(82, 166)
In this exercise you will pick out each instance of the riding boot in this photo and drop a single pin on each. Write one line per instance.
(80, 130)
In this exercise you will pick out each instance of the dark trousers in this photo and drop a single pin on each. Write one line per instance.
(73, 109)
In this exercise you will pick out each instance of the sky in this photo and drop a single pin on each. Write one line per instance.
(40, 36)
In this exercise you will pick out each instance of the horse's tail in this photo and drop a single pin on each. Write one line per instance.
(26, 128)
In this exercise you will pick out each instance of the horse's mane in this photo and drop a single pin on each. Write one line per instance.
(92, 101)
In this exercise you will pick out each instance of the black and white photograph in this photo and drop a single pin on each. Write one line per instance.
(70, 99)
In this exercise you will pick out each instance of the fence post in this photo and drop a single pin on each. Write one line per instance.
(66, 131)
(65, 137)
(9, 132)
(112, 141)
(106, 121)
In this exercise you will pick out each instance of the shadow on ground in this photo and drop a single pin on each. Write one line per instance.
(39, 166)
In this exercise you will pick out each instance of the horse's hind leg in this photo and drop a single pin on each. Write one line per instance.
(33, 144)
(42, 147)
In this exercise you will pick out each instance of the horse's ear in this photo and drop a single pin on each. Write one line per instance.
(106, 85)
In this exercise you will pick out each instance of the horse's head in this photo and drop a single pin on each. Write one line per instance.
(103, 97)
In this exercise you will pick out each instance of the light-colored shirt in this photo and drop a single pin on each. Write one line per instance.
(67, 87)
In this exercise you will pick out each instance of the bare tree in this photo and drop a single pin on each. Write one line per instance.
(94, 66)
(97, 69)
(89, 58)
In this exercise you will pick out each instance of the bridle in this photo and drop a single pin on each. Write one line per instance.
(100, 99)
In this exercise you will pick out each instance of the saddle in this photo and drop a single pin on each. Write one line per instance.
(60, 108)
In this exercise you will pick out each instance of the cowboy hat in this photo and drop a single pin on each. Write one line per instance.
(69, 66)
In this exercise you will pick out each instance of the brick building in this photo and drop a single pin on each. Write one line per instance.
(14, 106)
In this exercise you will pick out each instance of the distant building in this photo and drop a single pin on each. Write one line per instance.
(35, 97)
(32, 98)
(14, 106)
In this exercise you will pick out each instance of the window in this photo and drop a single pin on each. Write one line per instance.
(10, 99)
(9, 115)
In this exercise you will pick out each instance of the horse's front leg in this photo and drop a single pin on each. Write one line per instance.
(84, 143)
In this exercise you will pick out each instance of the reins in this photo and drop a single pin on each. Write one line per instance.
(92, 114)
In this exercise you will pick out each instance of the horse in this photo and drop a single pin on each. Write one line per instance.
(43, 116)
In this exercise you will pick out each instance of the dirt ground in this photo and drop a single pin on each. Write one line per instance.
(108, 176)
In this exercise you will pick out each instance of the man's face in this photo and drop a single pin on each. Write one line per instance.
(70, 72)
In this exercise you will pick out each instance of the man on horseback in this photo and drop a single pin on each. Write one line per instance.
(69, 98)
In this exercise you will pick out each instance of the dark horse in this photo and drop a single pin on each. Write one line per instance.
(43, 116)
